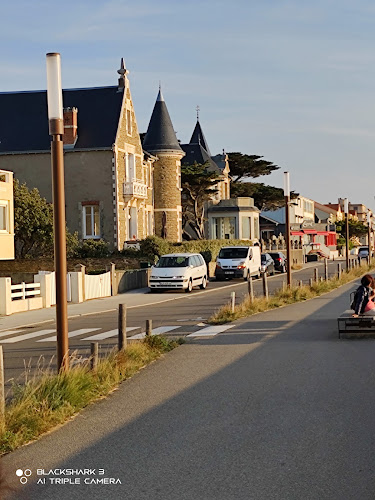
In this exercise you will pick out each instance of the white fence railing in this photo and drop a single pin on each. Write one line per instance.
(25, 290)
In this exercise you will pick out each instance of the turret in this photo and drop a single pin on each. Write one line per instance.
(161, 141)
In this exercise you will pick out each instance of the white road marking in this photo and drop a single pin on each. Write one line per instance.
(27, 336)
(201, 324)
(10, 332)
(75, 333)
(210, 331)
(156, 331)
(110, 333)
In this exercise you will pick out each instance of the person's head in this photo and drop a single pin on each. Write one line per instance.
(368, 280)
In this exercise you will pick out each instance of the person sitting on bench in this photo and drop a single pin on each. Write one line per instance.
(363, 295)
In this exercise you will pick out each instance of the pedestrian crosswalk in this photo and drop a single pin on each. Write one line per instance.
(80, 335)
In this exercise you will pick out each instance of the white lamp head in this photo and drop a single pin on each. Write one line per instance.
(54, 90)
(286, 184)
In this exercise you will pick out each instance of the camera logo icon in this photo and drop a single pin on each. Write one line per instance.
(23, 475)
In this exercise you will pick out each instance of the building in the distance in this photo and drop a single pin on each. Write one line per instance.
(6, 216)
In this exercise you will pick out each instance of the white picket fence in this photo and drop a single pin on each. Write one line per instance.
(24, 291)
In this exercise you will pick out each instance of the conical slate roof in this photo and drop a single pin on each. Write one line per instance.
(199, 138)
(160, 135)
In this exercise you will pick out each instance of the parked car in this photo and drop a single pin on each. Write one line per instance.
(238, 262)
(181, 271)
(280, 261)
(362, 252)
(267, 265)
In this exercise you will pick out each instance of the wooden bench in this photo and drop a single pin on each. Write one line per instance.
(363, 326)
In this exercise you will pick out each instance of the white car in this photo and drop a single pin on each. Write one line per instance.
(180, 271)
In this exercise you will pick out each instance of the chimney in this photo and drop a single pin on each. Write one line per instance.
(70, 126)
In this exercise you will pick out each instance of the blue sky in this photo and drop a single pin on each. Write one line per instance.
(290, 80)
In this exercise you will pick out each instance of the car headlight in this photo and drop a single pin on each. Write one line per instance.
(177, 277)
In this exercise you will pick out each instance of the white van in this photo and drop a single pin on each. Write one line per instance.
(238, 262)
(179, 271)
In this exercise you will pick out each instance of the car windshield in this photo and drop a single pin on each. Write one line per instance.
(233, 253)
(173, 262)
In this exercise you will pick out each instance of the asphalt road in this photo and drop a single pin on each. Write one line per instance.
(184, 311)
(276, 408)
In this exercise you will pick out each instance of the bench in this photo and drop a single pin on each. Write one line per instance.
(363, 326)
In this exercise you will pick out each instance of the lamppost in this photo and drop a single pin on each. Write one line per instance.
(287, 228)
(369, 233)
(56, 130)
(346, 211)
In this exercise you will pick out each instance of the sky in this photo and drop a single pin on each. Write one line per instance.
(292, 81)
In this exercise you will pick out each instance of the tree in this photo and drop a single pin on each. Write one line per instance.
(356, 228)
(243, 166)
(33, 222)
(198, 187)
(33, 225)
(265, 197)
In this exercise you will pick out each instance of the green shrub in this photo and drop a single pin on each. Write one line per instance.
(93, 248)
(153, 245)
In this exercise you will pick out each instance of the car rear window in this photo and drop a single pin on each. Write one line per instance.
(233, 253)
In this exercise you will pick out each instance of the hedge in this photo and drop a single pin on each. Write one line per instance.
(154, 246)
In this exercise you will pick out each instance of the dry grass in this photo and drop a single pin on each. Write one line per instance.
(49, 399)
(284, 297)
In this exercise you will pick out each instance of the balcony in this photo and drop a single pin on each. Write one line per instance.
(135, 189)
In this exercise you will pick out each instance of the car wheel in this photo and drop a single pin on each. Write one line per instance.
(204, 283)
(189, 287)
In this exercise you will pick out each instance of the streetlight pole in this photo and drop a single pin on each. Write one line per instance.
(346, 210)
(56, 130)
(369, 233)
(287, 228)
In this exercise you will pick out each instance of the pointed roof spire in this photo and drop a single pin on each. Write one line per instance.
(122, 72)
(198, 136)
(160, 135)
(160, 95)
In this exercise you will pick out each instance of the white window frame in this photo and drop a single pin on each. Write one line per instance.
(85, 235)
(129, 127)
(5, 205)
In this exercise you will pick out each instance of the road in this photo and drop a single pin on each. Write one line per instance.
(36, 345)
(275, 408)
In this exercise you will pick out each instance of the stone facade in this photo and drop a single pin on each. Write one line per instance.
(167, 180)
(134, 178)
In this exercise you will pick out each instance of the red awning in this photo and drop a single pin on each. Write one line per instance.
(296, 233)
(309, 231)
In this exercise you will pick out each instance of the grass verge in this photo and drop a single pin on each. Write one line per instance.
(284, 297)
(50, 399)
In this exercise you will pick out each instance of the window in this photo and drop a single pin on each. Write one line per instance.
(128, 122)
(131, 167)
(4, 227)
(91, 221)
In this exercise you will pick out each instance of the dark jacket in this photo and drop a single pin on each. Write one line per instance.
(361, 298)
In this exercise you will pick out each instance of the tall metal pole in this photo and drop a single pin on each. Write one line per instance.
(346, 209)
(287, 229)
(369, 233)
(56, 130)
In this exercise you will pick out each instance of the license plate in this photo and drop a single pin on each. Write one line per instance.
(229, 272)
